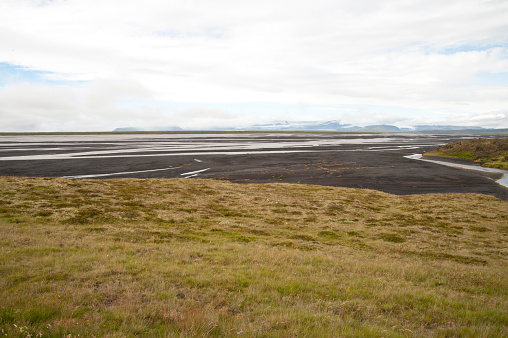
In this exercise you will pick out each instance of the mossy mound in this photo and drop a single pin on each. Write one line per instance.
(492, 152)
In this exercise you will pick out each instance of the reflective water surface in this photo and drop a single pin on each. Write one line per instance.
(50, 147)
(502, 181)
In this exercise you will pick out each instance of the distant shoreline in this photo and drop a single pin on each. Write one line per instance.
(501, 132)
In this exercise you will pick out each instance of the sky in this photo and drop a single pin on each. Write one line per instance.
(97, 65)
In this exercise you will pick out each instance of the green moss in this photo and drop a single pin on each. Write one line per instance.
(328, 234)
(465, 155)
(478, 228)
(394, 238)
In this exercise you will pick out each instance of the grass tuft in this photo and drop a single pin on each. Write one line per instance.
(394, 238)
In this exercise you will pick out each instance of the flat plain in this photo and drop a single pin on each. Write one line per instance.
(372, 161)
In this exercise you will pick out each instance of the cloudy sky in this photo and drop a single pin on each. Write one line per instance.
(95, 65)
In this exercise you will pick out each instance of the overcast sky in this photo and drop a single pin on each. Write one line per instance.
(95, 65)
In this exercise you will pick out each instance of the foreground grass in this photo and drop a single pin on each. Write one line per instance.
(492, 153)
(209, 258)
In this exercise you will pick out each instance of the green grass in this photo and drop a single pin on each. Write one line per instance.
(189, 258)
(491, 152)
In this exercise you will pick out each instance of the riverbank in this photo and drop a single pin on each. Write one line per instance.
(463, 164)
(491, 152)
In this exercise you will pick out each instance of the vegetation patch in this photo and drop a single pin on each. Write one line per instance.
(186, 258)
(491, 152)
(394, 238)
(328, 234)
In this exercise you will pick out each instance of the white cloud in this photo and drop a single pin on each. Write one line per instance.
(413, 54)
(41, 107)
(199, 118)
(108, 92)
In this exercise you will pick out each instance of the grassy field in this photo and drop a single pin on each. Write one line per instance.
(186, 258)
(492, 153)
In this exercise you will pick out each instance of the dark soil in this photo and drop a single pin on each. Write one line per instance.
(386, 171)
(355, 165)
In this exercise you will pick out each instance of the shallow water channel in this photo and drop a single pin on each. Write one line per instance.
(502, 181)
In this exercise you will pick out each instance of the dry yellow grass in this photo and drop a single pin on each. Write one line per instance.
(209, 258)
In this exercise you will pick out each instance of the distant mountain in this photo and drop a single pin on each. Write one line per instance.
(333, 125)
(376, 128)
(438, 127)
(298, 125)
(322, 126)
(337, 126)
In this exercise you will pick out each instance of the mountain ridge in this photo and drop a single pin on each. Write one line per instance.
(332, 125)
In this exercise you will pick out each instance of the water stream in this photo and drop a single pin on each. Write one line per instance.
(502, 181)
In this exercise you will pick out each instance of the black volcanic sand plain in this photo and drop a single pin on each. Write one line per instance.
(370, 161)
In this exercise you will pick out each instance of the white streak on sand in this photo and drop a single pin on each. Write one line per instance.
(194, 173)
(71, 156)
(120, 173)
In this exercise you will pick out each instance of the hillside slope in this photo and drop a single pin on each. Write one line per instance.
(492, 153)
